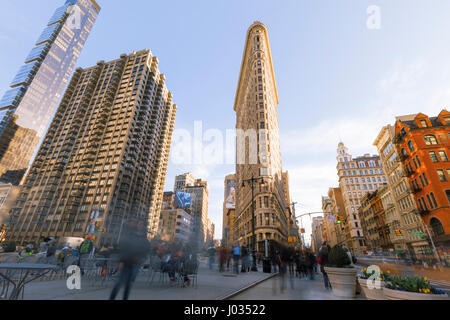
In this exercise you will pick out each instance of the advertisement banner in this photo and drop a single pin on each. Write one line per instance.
(230, 202)
(183, 200)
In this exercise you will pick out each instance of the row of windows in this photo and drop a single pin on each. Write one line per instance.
(366, 172)
(363, 180)
(431, 202)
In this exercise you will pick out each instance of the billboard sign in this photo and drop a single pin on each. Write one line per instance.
(182, 199)
(230, 201)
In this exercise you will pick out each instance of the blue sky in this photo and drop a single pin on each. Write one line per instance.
(337, 80)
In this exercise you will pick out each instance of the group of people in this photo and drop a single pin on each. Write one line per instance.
(238, 257)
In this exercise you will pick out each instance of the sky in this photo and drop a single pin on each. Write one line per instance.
(337, 79)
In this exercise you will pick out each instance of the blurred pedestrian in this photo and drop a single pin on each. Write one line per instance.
(274, 259)
(323, 260)
(312, 265)
(211, 256)
(297, 263)
(283, 261)
(236, 257)
(223, 257)
(133, 248)
(245, 259)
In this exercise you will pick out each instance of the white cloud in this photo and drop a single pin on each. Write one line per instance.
(418, 86)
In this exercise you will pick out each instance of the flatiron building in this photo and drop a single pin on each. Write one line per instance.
(256, 106)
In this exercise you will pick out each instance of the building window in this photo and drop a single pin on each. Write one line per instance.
(443, 155)
(429, 201)
(430, 140)
(434, 199)
(262, 125)
(418, 161)
(423, 123)
(410, 146)
(441, 175)
(447, 192)
(433, 156)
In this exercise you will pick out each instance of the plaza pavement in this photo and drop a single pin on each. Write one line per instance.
(295, 289)
(212, 285)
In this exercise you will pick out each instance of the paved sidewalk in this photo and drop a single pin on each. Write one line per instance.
(295, 289)
(212, 285)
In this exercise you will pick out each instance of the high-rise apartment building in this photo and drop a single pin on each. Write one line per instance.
(403, 214)
(257, 118)
(199, 205)
(423, 145)
(27, 107)
(357, 176)
(183, 180)
(104, 157)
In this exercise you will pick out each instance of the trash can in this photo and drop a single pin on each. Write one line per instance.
(266, 265)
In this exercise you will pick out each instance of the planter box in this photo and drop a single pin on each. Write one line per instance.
(372, 293)
(343, 281)
(404, 295)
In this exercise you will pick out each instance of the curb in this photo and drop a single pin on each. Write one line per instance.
(251, 285)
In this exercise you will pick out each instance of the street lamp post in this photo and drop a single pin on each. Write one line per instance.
(262, 184)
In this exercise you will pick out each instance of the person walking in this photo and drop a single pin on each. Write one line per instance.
(323, 260)
(222, 258)
(211, 256)
(283, 261)
(133, 248)
(274, 260)
(312, 265)
(245, 259)
(297, 263)
(236, 257)
(229, 257)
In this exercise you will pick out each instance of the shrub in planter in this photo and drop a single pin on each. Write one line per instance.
(340, 272)
(338, 258)
(412, 288)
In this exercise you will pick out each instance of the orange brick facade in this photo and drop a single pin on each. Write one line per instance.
(424, 148)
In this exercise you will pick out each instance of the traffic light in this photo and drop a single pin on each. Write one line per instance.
(399, 232)
(339, 219)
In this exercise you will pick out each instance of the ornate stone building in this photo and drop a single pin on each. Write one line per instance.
(357, 176)
(401, 213)
(257, 119)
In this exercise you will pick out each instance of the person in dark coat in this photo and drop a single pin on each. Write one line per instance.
(323, 258)
(312, 264)
(133, 248)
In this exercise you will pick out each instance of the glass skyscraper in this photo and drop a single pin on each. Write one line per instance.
(27, 107)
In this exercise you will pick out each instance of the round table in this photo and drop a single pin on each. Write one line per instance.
(26, 272)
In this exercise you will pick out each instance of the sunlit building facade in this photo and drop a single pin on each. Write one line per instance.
(256, 106)
(104, 158)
